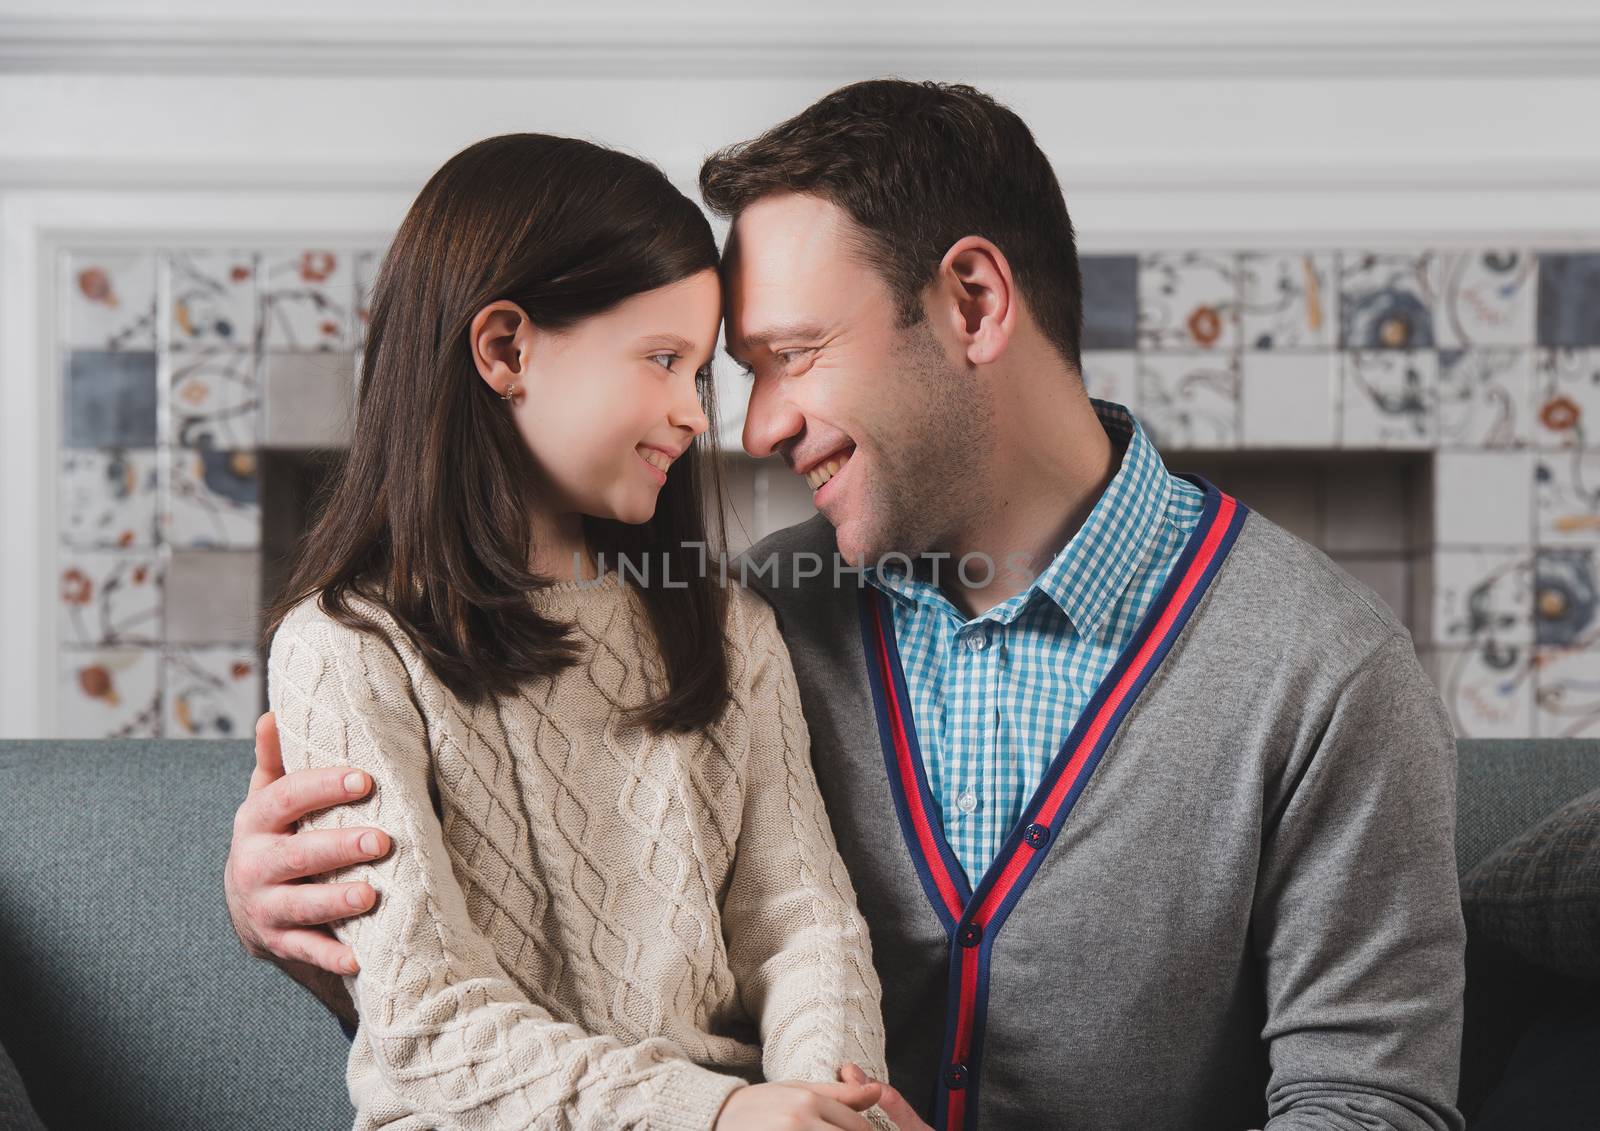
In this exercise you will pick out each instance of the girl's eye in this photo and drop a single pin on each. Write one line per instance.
(671, 357)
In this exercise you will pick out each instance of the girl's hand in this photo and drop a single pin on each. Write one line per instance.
(894, 1105)
(797, 1107)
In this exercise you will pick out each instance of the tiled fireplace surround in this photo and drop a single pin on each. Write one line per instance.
(1421, 415)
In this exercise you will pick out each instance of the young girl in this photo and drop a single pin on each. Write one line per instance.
(614, 898)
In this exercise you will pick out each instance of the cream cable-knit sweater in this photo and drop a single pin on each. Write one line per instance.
(581, 924)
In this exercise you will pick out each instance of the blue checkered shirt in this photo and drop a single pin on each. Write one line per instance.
(994, 697)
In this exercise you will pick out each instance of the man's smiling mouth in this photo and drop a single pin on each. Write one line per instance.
(828, 468)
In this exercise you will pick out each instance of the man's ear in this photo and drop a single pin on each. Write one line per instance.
(501, 341)
(975, 289)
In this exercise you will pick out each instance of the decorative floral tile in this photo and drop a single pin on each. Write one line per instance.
(1111, 375)
(111, 301)
(1483, 498)
(1390, 399)
(110, 399)
(1485, 298)
(213, 499)
(109, 693)
(1385, 301)
(1289, 400)
(1567, 493)
(1565, 595)
(215, 400)
(1569, 299)
(1488, 689)
(108, 499)
(1567, 691)
(1482, 595)
(1189, 301)
(211, 692)
(105, 597)
(1110, 301)
(1287, 301)
(1567, 397)
(308, 300)
(213, 300)
(1485, 398)
(1189, 401)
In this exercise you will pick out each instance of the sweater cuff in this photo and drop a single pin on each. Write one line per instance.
(688, 1097)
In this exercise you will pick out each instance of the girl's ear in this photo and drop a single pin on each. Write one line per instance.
(501, 340)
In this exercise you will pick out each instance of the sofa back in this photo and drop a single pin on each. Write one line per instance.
(126, 1000)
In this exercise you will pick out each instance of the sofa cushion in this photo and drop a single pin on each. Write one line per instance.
(1539, 894)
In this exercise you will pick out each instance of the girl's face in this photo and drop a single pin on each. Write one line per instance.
(607, 406)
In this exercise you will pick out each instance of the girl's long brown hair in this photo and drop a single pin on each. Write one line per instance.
(430, 515)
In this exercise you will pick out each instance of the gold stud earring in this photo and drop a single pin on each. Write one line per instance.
(511, 392)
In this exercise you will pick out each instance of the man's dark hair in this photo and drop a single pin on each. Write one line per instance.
(917, 166)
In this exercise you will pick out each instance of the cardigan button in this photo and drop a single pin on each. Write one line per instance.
(955, 1077)
(1036, 835)
(970, 935)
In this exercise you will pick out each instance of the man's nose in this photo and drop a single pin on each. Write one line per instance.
(769, 420)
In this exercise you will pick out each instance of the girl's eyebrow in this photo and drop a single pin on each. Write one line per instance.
(671, 341)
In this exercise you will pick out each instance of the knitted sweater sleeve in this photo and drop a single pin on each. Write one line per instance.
(454, 1041)
(797, 945)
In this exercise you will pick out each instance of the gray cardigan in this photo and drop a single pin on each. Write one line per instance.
(1233, 901)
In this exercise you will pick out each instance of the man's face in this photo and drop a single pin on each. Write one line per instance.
(838, 387)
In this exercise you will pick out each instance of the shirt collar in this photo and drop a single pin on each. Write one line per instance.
(1088, 576)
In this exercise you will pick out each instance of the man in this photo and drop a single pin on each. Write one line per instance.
(1150, 807)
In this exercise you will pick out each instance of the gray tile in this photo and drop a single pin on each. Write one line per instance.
(111, 399)
(1569, 300)
(309, 399)
(1110, 301)
(213, 597)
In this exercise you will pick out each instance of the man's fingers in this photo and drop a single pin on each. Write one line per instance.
(269, 754)
(315, 948)
(276, 806)
(288, 906)
(315, 852)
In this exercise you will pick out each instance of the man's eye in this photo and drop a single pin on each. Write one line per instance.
(789, 357)
(671, 357)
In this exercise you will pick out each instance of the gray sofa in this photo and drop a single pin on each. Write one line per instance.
(126, 1001)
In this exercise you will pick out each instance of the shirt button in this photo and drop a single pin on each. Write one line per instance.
(976, 640)
(955, 1076)
(968, 801)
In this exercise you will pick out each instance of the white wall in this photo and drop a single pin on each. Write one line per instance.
(1402, 121)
